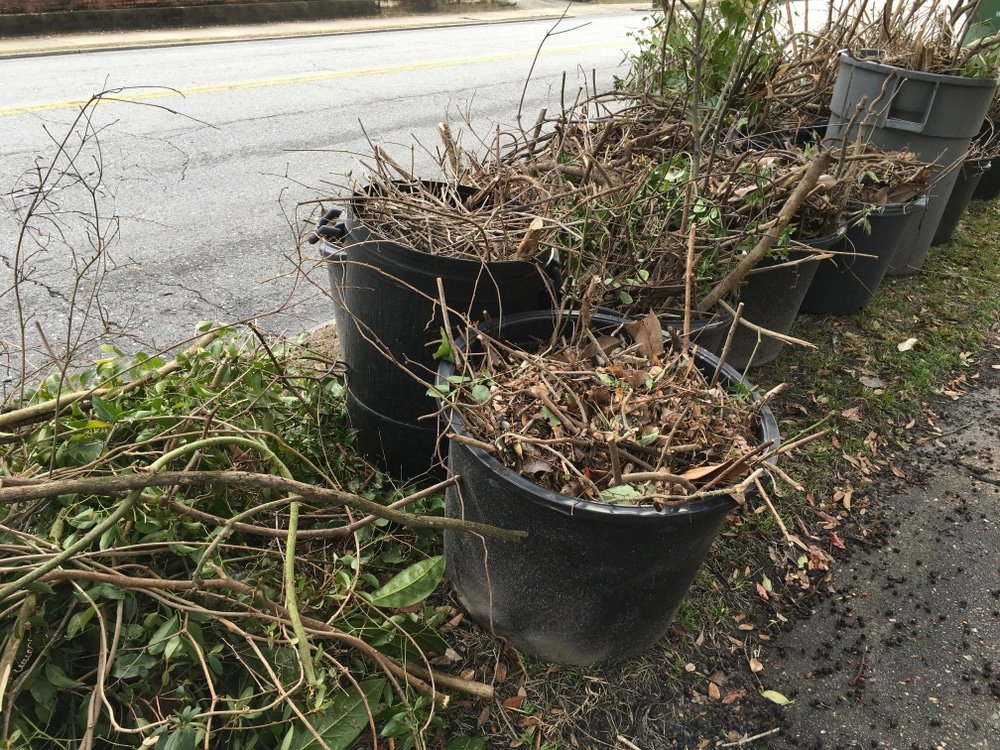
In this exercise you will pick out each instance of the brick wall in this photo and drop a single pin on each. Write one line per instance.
(48, 6)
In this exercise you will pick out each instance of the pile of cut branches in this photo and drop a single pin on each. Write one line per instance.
(189, 558)
(612, 416)
(494, 217)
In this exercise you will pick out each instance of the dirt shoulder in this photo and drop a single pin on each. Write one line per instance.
(906, 653)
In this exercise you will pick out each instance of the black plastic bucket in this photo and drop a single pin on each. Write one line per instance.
(330, 234)
(988, 188)
(934, 115)
(771, 295)
(393, 329)
(969, 176)
(592, 582)
(989, 140)
(805, 135)
(846, 283)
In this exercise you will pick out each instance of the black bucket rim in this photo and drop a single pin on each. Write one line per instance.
(590, 509)
(978, 166)
(894, 208)
(353, 219)
(360, 238)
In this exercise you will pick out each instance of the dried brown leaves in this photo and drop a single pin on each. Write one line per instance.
(610, 418)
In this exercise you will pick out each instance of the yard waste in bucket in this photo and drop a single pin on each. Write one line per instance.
(592, 582)
(934, 115)
(392, 302)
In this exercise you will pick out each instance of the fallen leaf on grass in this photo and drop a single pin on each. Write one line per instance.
(756, 666)
(713, 691)
(897, 472)
(762, 593)
(905, 346)
(854, 413)
(873, 383)
(775, 697)
(835, 541)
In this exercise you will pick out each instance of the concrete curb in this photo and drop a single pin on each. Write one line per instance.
(527, 10)
(131, 19)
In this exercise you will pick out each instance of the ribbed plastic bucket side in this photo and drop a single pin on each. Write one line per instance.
(969, 177)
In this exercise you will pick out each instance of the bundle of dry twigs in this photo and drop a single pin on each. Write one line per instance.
(612, 417)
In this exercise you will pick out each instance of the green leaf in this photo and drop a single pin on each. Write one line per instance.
(58, 678)
(444, 348)
(129, 666)
(397, 726)
(204, 326)
(342, 721)
(158, 642)
(182, 739)
(622, 493)
(412, 585)
(554, 421)
(481, 392)
(45, 698)
(171, 648)
(775, 697)
(104, 409)
(651, 438)
(439, 389)
(78, 622)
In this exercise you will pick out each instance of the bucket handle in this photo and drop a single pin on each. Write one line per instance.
(913, 121)
(327, 231)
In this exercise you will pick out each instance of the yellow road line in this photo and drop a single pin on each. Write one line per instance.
(152, 94)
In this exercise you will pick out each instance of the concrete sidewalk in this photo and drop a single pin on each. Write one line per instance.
(526, 10)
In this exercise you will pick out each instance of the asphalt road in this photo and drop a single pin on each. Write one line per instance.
(197, 181)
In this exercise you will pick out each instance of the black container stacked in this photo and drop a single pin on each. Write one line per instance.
(969, 177)
(936, 116)
(772, 294)
(848, 281)
(391, 322)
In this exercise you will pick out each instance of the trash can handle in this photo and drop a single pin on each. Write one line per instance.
(325, 230)
(912, 120)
